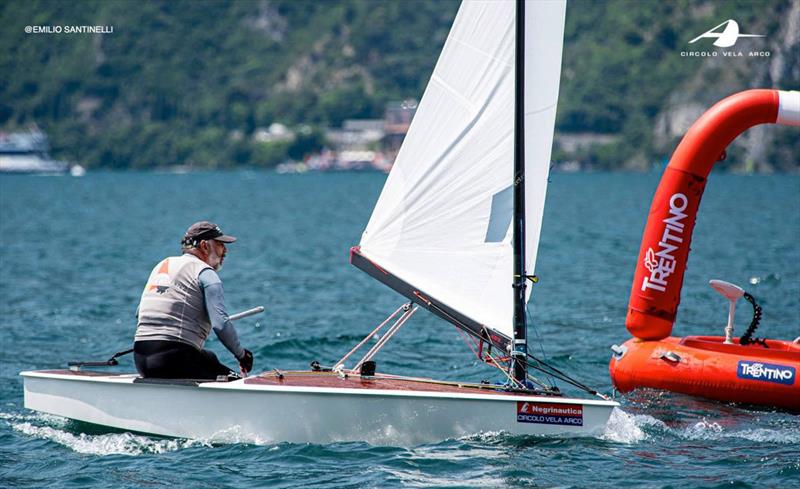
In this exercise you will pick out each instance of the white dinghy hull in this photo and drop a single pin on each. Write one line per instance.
(306, 407)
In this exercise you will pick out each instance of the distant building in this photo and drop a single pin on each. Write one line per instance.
(356, 135)
(361, 144)
(373, 126)
(275, 132)
(397, 120)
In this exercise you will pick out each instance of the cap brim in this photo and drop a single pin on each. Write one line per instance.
(225, 238)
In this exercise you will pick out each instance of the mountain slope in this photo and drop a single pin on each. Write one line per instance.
(184, 82)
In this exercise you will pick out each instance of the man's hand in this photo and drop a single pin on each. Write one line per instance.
(246, 362)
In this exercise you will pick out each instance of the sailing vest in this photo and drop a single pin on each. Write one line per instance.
(172, 307)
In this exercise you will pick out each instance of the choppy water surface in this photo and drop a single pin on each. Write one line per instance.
(75, 253)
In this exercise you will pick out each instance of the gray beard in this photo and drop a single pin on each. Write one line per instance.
(212, 254)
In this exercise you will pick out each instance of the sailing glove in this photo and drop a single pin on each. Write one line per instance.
(246, 362)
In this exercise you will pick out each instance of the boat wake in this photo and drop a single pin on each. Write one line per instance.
(624, 427)
(56, 429)
(710, 430)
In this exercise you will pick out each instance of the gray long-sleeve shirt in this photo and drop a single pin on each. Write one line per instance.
(215, 306)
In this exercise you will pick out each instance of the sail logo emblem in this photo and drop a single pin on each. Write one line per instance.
(726, 38)
(549, 413)
(661, 264)
(766, 372)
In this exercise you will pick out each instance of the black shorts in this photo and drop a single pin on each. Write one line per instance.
(173, 360)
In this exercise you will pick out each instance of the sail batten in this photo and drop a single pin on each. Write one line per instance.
(443, 222)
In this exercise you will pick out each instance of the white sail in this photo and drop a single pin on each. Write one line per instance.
(443, 220)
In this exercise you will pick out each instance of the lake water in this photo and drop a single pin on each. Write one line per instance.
(75, 252)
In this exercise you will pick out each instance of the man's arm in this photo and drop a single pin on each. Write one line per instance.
(215, 305)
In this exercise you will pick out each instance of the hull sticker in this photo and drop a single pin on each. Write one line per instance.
(766, 372)
(549, 413)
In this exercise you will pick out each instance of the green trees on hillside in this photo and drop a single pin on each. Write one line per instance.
(187, 82)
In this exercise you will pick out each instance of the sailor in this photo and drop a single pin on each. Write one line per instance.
(180, 305)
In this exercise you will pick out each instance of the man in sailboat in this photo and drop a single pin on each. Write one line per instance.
(180, 305)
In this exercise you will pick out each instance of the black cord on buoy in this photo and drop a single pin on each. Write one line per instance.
(747, 337)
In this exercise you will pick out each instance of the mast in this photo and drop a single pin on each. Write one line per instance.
(520, 344)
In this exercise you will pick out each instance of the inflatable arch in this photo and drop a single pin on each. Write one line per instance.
(657, 282)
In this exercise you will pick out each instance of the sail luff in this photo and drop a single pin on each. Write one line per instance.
(520, 344)
(544, 35)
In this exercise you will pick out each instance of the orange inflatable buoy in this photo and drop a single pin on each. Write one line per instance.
(705, 366)
(718, 368)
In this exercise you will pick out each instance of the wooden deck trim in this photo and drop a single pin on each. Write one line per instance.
(378, 382)
(329, 380)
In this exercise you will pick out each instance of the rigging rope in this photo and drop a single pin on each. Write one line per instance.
(549, 369)
(505, 372)
(539, 364)
(495, 362)
(540, 342)
(466, 340)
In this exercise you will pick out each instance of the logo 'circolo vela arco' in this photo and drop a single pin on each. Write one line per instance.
(726, 38)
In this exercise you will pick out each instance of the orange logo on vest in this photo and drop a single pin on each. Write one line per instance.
(161, 281)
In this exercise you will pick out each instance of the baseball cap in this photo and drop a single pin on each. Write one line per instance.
(204, 230)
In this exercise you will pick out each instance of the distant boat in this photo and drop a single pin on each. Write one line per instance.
(448, 233)
(27, 152)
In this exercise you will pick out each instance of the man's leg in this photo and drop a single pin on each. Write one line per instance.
(173, 360)
(211, 367)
